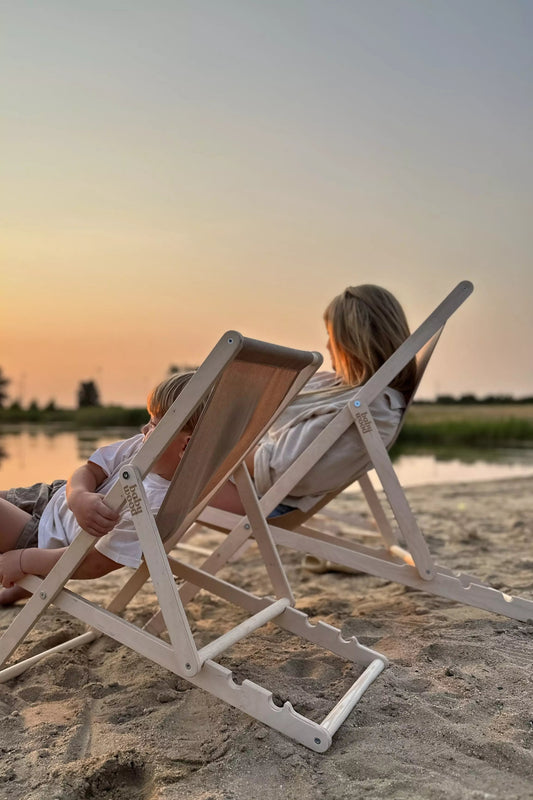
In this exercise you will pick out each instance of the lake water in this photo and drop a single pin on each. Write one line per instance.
(37, 454)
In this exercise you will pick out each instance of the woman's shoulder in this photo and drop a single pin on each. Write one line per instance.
(322, 381)
(328, 385)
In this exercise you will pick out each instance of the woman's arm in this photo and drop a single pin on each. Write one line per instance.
(227, 498)
(342, 462)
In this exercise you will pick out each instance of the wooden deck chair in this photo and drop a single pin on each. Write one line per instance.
(403, 555)
(246, 383)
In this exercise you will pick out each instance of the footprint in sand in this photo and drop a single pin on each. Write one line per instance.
(122, 776)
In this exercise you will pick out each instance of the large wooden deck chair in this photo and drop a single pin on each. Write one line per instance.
(402, 554)
(246, 383)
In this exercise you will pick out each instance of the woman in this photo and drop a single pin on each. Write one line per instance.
(365, 325)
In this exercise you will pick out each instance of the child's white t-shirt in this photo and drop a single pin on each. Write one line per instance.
(58, 525)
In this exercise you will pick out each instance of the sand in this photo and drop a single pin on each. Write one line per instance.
(452, 717)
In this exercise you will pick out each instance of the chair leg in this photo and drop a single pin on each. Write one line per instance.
(384, 526)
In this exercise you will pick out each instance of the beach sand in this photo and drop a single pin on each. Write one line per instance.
(452, 717)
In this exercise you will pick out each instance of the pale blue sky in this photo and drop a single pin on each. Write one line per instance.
(175, 169)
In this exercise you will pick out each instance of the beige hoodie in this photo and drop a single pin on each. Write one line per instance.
(300, 424)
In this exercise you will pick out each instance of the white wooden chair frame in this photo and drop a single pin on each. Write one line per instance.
(181, 654)
(403, 555)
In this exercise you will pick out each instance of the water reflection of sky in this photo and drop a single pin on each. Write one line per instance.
(39, 455)
(417, 470)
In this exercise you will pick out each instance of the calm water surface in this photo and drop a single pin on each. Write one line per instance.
(38, 454)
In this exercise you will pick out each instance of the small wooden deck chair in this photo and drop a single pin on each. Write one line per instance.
(246, 383)
(403, 556)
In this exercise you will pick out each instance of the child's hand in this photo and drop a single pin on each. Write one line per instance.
(92, 514)
(10, 571)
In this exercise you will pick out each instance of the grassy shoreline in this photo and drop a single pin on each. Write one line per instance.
(433, 424)
(476, 425)
(74, 419)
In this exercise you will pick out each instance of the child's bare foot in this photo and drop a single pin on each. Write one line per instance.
(10, 596)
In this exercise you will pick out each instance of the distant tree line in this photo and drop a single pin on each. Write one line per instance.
(88, 397)
(89, 413)
(88, 393)
(472, 399)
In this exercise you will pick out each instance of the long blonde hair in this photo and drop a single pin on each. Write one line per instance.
(366, 324)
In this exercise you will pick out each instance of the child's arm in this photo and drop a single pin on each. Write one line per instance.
(89, 508)
(38, 561)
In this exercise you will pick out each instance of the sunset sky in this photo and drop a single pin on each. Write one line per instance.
(176, 168)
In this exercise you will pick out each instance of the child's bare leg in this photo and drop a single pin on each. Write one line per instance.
(12, 522)
(10, 596)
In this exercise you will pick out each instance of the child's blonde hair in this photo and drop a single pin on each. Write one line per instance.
(163, 395)
(366, 324)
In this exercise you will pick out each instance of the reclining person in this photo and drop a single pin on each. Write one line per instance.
(38, 523)
(365, 326)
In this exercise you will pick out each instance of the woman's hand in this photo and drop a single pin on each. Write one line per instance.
(92, 513)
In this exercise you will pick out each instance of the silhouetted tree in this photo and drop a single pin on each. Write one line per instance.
(176, 369)
(88, 394)
(4, 383)
(33, 412)
(446, 399)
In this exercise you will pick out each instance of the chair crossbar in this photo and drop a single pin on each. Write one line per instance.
(21, 666)
(349, 700)
(222, 643)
